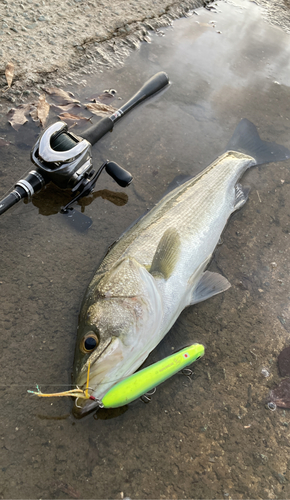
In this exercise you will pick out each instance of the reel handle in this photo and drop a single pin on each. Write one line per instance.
(119, 174)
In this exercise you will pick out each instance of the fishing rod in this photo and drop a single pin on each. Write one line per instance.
(65, 159)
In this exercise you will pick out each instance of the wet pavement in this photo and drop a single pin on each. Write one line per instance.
(211, 436)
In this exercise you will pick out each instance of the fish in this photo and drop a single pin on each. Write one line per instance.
(158, 267)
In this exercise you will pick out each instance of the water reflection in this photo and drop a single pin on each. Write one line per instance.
(51, 199)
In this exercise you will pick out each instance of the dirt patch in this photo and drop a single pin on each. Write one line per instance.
(277, 12)
(46, 41)
(49, 39)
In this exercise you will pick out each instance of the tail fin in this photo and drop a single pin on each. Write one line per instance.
(246, 140)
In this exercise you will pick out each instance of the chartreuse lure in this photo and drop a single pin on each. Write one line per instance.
(138, 384)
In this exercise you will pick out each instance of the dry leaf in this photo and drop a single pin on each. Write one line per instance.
(105, 97)
(66, 107)
(61, 96)
(18, 115)
(33, 113)
(67, 117)
(9, 72)
(100, 109)
(41, 111)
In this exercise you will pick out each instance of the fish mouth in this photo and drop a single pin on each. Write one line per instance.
(83, 406)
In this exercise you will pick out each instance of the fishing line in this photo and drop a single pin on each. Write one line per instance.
(76, 393)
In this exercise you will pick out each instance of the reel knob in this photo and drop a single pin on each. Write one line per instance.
(119, 174)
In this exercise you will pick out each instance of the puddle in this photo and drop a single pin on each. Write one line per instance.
(208, 437)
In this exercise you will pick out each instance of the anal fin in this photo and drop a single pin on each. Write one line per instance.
(210, 284)
(242, 194)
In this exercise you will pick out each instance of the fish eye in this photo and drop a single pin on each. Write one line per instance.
(89, 342)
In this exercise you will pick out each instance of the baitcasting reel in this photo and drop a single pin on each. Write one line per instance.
(65, 159)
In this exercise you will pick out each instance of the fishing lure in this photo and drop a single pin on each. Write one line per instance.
(138, 384)
(141, 382)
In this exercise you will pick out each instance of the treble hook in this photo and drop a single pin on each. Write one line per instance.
(187, 372)
(146, 398)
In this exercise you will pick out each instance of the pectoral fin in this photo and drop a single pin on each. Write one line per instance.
(210, 284)
(166, 255)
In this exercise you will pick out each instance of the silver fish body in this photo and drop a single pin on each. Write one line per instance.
(156, 270)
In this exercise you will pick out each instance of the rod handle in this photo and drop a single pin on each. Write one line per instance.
(153, 85)
(97, 131)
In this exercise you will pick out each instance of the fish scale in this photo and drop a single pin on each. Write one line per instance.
(158, 267)
(191, 212)
(195, 200)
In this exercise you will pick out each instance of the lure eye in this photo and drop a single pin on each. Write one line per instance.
(89, 342)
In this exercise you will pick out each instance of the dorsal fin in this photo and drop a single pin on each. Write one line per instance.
(167, 254)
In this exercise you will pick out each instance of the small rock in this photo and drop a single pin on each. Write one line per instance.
(281, 478)
(265, 372)
(282, 320)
